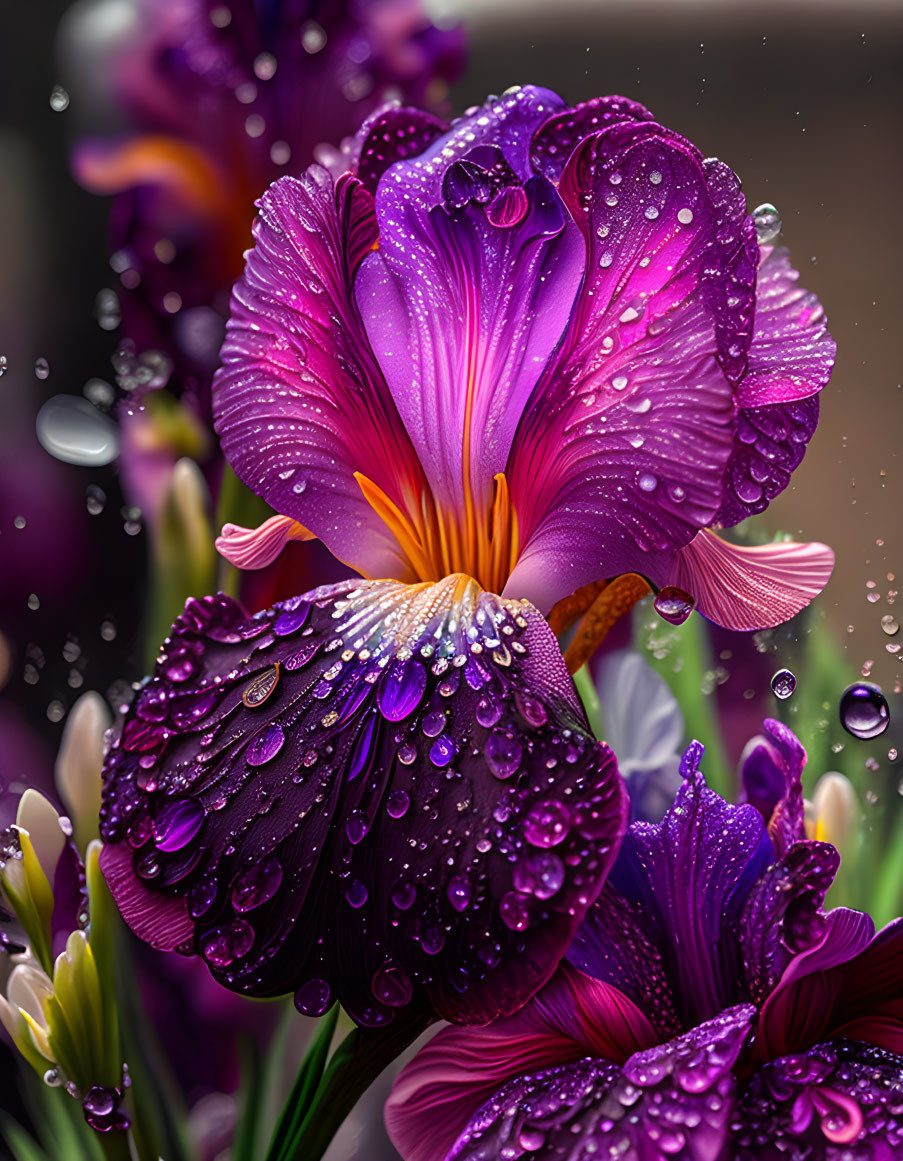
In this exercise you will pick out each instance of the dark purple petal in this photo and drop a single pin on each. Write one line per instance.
(394, 134)
(790, 360)
(469, 293)
(837, 1102)
(672, 1101)
(300, 404)
(308, 798)
(632, 428)
(678, 886)
(557, 138)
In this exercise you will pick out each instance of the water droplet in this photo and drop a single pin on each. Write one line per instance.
(356, 826)
(514, 909)
(459, 893)
(783, 683)
(767, 221)
(403, 895)
(401, 691)
(529, 1138)
(890, 626)
(261, 688)
(95, 498)
(863, 710)
(541, 875)
(178, 823)
(59, 99)
(72, 430)
(433, 723)
(503, 753)
(673, 604)
(313, 998)
(685, 216)
(223, 945)
(488, 710)
(647, 482)
(356, 893)
(257, 885)
(41, 368)
(265, 746)
(391, 985)
(546, 824)
(443, 751)
(397, 803)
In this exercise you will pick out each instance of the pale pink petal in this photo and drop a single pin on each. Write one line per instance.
(750, 588)
(258, 547)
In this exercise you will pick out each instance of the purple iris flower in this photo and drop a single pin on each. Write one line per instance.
(708, 1009)
(495, 363)
(219, 100)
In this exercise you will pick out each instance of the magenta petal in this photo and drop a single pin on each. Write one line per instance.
(750, 588)
(556, 139)
(470, 291)
(391, 135)
(299, 402)
(623, 450)
(321, 786)
(674, 1100)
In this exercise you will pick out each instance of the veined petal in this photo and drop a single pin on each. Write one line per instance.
(299, 402)
(461, 1068)
(674, 1100)
(411, 760)
(258, 547)
(623, 450)
(748, 588)
(470, 291)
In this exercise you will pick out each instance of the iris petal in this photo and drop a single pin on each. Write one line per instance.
(338, 743)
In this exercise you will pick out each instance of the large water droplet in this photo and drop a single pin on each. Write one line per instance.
(890, 625)
(488, 710)
(391, 985)
(442, 751)
(397, 803)
(546, 824)
(356, 826)
(312, 998)
(459, 893)
(261, 688)
(72, 430)
(265, 746)
(673, 604)
(401, 689)
(356, 893)
(783, 684)
(514, 909)
(225, 944)
(541, 875)
(767, 221)
(503, 754)
(178, 823)
(863, 710)
(256, 885)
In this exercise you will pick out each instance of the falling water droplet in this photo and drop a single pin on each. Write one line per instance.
(783, 684)
(890, 626)
(673, 604)
(95, 498)
(767, 221)
(41, 368)
(863, 710)
(59, 99)
(72, 430)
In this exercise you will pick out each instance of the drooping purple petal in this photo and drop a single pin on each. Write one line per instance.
(469, 292)
(672, 1101)
(684, 883)
(632, 429)
(299, 402)
(790, 360)
(461, 1068)
(747, 588)
(836, 1102)
(363, 793)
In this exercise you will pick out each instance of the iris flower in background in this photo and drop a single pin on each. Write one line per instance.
(218, 100)
(495, 363)
(708, 1008)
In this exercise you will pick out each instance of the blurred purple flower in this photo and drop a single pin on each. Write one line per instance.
(514, 356)
(708, 1009)
(218, 100)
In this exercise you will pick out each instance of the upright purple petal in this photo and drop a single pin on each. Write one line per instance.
(394, 134)
(632, 429)
(790, 360)
(557, 138)
(299, 402)
(363, 793)
(469, 292)
(672, 1101)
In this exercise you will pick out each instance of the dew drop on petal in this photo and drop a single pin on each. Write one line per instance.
(767, 221)
(391, 985)
(673, 604)
(313, 998)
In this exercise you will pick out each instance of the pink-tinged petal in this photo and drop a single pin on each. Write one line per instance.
(258, 547)
(623, 450)
(869, 995)
(748, 588)
(378, 793)
(469, 293)
(299, 402)
(792, 354)
(391, 135)
(676, 1100)
(556, 139)
(160, 920)
(461, 1068)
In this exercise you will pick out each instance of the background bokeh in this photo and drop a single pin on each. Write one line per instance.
(804, 101)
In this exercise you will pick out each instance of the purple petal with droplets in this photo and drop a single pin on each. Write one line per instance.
(316, 805)
(556, 139)
(394, 134)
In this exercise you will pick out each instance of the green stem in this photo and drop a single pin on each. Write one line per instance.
(885, 901)
(355, 1064)
(115, 1145)
(589, 697)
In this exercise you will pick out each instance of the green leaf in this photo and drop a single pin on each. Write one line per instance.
(303, 1090)
(23, 1146)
